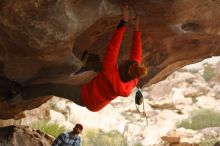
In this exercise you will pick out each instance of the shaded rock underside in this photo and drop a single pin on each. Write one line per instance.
(42, 41)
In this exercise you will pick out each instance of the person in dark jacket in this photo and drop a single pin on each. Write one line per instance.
(111, 81)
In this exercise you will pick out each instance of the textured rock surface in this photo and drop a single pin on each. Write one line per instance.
(121, 114)
(23, 136)
(182, 137)
(16, 111)
(42, 41)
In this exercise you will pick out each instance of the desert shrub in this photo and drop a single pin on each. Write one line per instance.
(94, 137)
(52, 104)
(193, 70)
(209, 141)
(194, 99)
(208, 72)
(138, 144)
(52, 129)
(201, 119)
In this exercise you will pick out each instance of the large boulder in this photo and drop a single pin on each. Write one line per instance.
(43, 41)
(23, 136)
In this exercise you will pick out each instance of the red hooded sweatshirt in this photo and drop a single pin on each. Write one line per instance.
(107, 85)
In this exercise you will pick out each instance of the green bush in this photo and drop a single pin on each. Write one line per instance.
(208, 72)
(209, 141)
(138, 144)
(52, 129)
(52, 104)
(201, 119)
(94, 137)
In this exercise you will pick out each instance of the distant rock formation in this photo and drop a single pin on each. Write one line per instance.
(23, 136)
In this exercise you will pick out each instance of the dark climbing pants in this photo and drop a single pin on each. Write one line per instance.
(71, 92)
(5, 85)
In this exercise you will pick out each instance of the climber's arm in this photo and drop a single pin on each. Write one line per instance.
(136, 51)
(111, 55)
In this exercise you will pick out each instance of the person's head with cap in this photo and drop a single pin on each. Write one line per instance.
(77, 129)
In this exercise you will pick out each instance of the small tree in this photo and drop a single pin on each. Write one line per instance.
(208, 72)
(201, 119)
(94, 137)
(52, 129)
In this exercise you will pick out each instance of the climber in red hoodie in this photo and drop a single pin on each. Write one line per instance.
(111, 81)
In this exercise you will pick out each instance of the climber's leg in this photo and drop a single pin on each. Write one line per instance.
(5, 85)
(70, 92)
(90, 61)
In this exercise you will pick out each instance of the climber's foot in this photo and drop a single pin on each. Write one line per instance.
(14, 94)
(14, 100)
(90, 61)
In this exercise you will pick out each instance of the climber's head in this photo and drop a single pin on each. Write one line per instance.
(137, 70)
(130, 70)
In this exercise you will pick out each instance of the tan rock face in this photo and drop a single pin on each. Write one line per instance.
(42, 41)
(16, 111)
(23, 136)
(171, 139)
(182, 137)
(43, 35)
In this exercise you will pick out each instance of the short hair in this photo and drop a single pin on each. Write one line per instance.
(131, 69)
(80, 126)
(137, 71)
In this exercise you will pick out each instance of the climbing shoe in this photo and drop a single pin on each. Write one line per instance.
(90, 61)
(14, 95)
